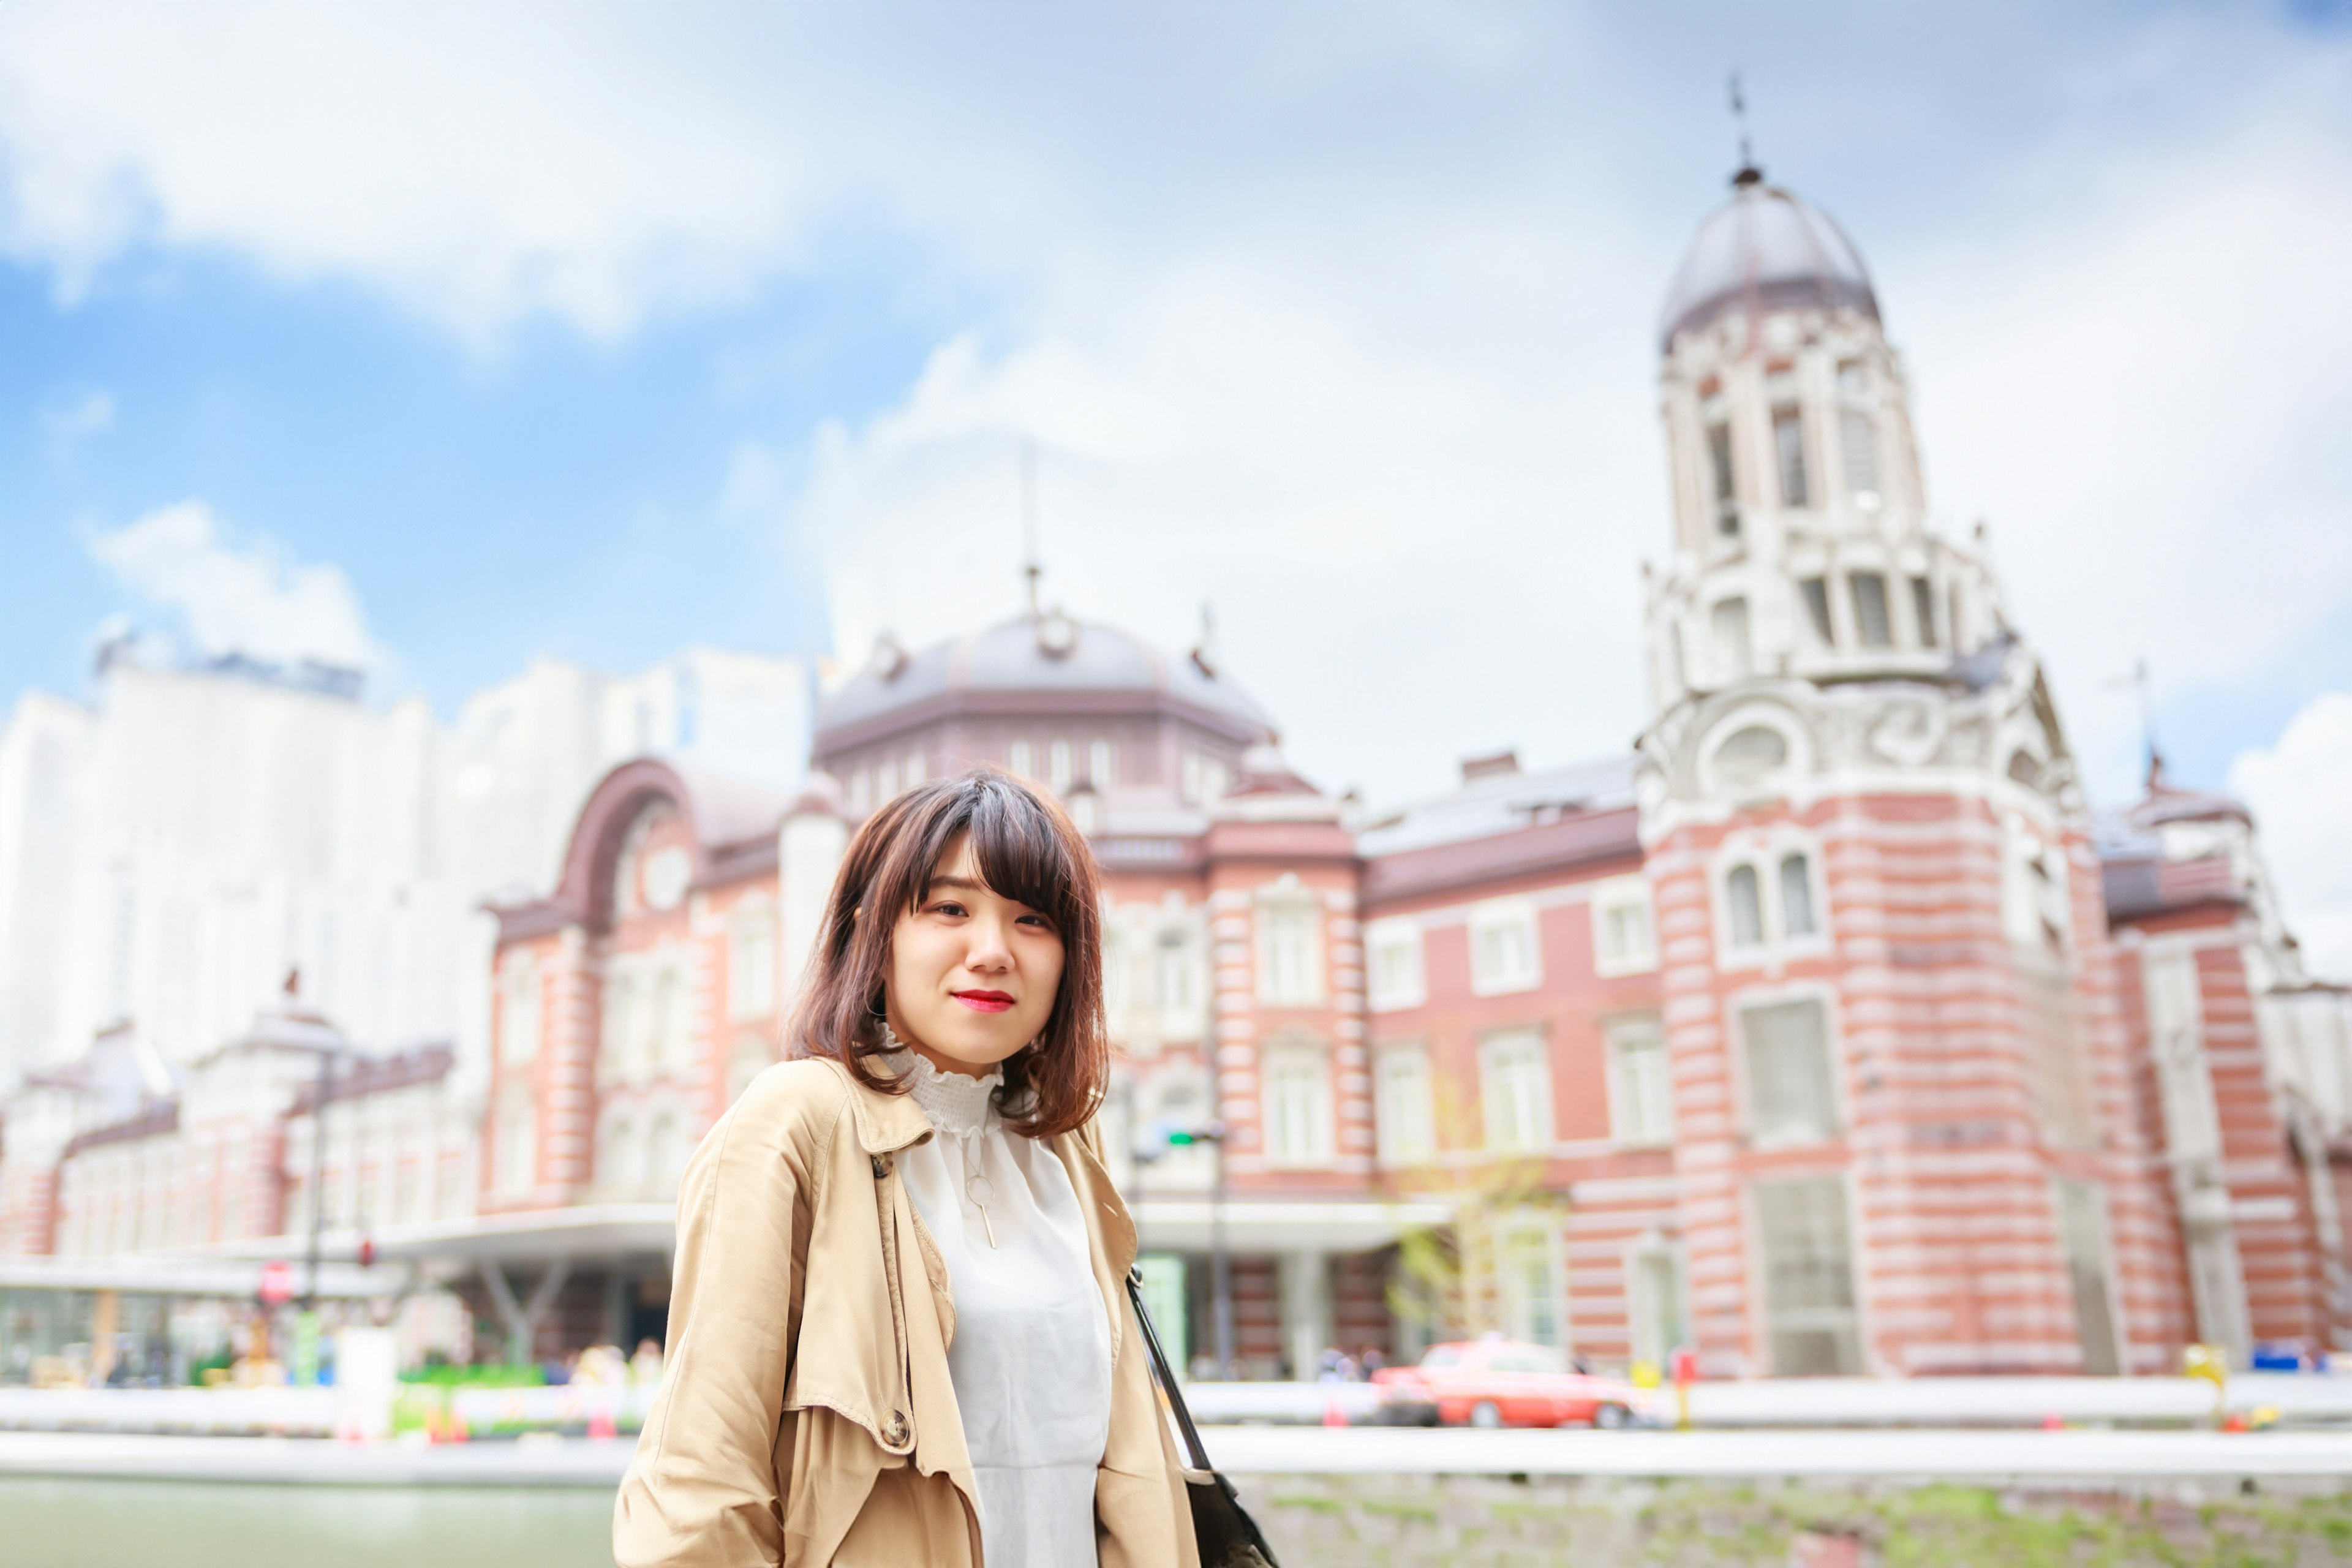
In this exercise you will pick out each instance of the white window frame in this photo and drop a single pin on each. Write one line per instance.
(1292, 1063)
(1764, 855)
(1387, 990)
(519, 1012)
(752, 961)
(1533, 1237)
(1101, 764)
(1487, 976)
(1634, 1119)
(2175, 1000)
(1610, 899)
(1404, 1091)
(1287, 898)
(1507, 1131)
(517, 1154)
(1839, 1117)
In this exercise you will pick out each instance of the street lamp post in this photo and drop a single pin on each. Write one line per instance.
(1160, 1137)
(319, 1173)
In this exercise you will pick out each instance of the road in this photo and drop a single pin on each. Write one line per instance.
(1990, 1458)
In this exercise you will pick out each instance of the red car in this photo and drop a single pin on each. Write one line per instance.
(1500, 1382)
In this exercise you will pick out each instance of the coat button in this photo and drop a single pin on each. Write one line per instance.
(894, 1432)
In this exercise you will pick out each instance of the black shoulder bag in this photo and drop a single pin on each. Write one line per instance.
(1226, 1535)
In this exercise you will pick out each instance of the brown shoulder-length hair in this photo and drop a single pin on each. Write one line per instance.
(1026, 849)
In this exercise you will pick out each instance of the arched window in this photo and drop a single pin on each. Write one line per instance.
(1746, 901)
(1797, 896)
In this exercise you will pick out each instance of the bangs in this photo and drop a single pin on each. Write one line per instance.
(1018, 851)
(1026, 849)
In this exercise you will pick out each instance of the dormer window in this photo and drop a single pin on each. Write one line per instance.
(1923, 609)
(1816, 592)
(1789, 447)
(1057, 764)
(1727, 495)
(1870, 617)
(1734, 653)
(1099, 764)
(1017, 760)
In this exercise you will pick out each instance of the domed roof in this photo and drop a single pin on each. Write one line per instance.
(1770, 241)
(1037, 655)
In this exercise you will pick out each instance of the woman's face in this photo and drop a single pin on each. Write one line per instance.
(972, 974)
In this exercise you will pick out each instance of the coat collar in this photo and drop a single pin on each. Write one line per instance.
(886, 1123)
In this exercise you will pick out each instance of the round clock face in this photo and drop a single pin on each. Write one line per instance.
(666, 875)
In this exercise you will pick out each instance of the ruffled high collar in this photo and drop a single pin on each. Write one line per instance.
(953, 1104)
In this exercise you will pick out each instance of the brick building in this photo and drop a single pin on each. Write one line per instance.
(1829, 1031)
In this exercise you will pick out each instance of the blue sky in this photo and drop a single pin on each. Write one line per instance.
(601, 331)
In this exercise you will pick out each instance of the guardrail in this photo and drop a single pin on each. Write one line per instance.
(2299, 1400)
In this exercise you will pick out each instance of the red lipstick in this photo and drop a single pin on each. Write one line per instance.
(983, 1001)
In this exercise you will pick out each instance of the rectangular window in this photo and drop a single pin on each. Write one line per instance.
(1744, 904)
(1640, 1084)
(1290, 956)
(1734, 655)
(1789, 446)
(1531, 1293)
(1858, 435)
(1298, 1106)
(1516, 1086)
(1809, 1323)
(1057, 764)
(1816, 590)
(1393, 977)
(672, 1018)
(752, 964)
(886, 781)
(913, 772)
(1017, 760)
(1955, 626)
(1870, 609)
(1172, 974)
(1797, 896)
(1657, 1306)
(1719, 461)
(1621, 940)
(1407, 1107)
(1791, 1093)
(1923, 610)
(1099, 764)
(518, 1013)
(1503, 951)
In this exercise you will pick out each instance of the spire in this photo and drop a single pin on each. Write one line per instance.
(1030, 568)
(1748, 175)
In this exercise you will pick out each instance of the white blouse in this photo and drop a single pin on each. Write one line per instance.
(1030, 1357)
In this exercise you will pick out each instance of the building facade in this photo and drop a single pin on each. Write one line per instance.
(1828, 1032)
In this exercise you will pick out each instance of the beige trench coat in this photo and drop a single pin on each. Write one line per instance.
(807, 1416)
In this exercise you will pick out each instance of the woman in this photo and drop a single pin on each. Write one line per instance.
(898, 1333)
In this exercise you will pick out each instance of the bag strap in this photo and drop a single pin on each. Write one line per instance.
(1167, 1374)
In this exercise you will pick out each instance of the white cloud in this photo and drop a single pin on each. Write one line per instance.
(2297, 789)
(73, 414)
(251, 600)
(477, 163)
(2147, 398)
(1339, 317)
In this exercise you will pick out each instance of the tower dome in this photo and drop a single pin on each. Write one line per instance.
(1769, 245)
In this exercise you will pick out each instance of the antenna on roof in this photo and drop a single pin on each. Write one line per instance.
(1748, 174)
(1030, 569)
(2139, 682)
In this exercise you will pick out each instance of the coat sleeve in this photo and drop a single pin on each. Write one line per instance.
(701, 1490)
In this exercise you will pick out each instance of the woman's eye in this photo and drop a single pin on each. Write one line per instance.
(947, 907)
